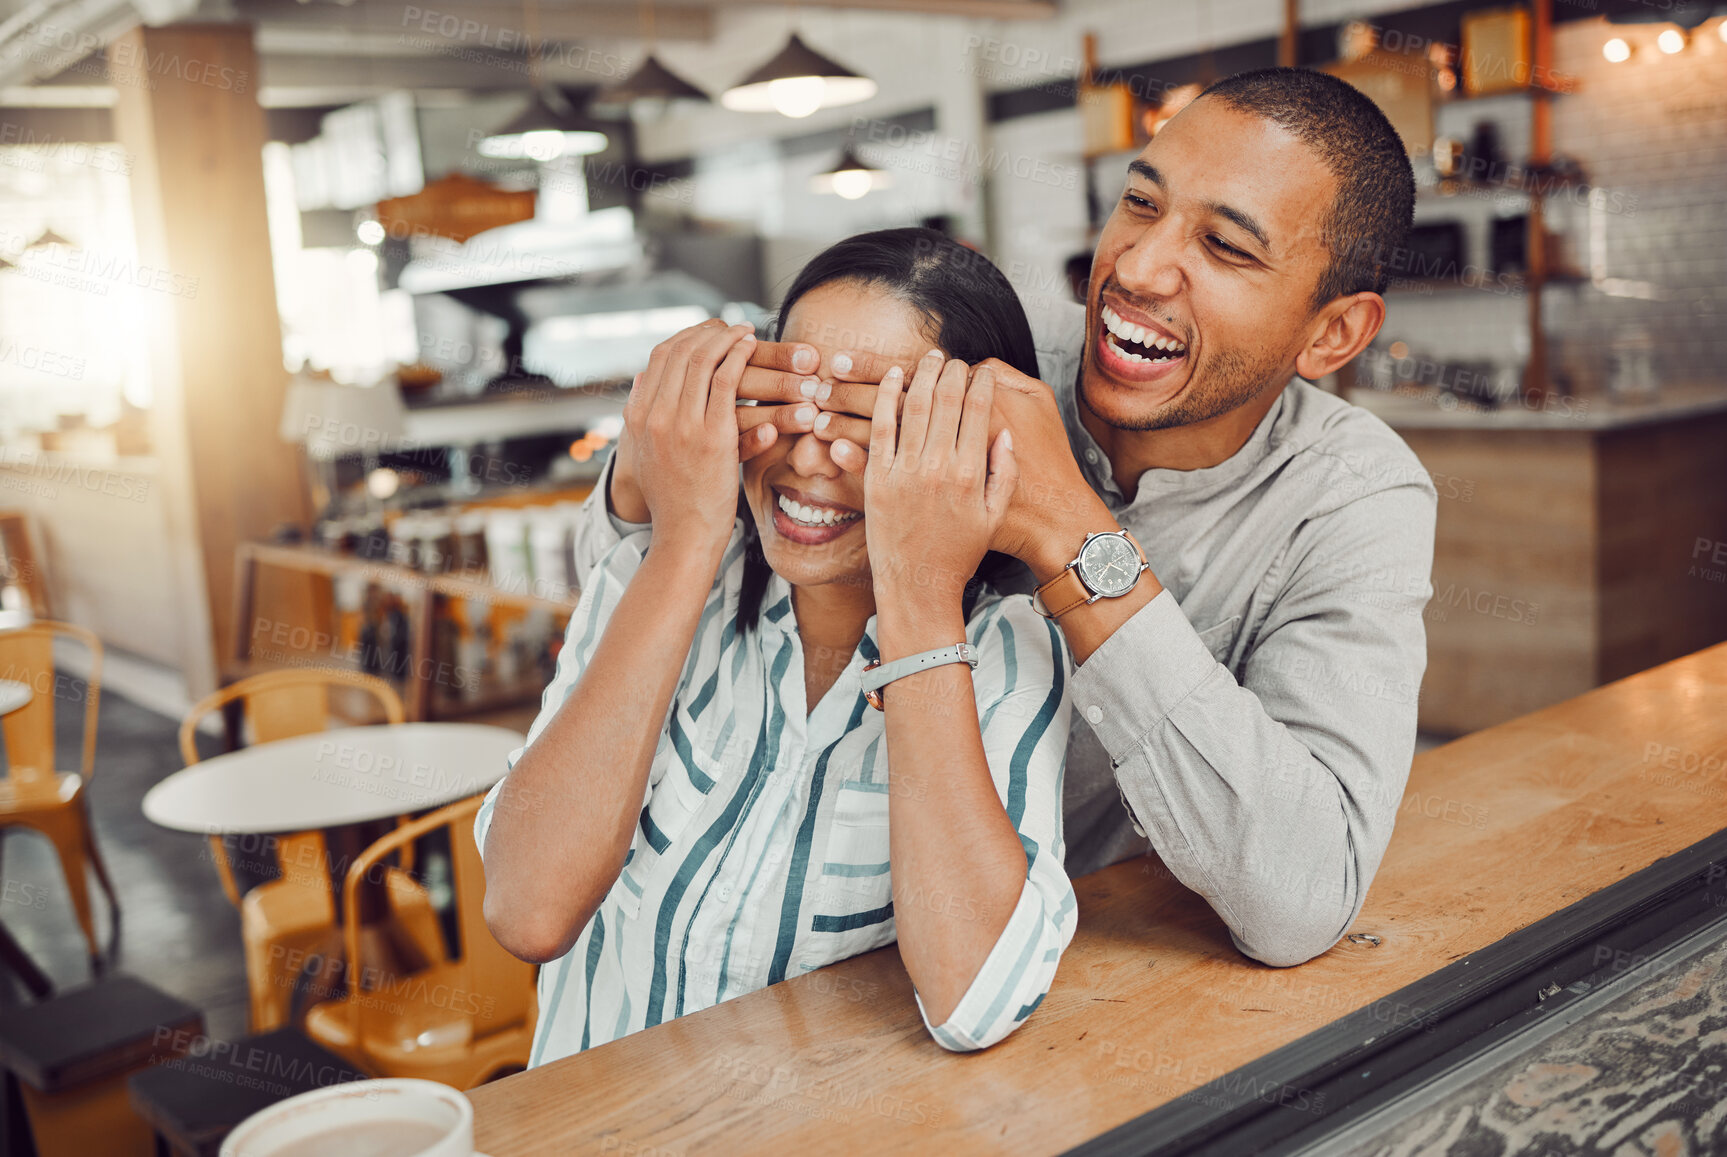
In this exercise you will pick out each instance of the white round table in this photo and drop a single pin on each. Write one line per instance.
(350, 782)
(331, 779)
(14, 695)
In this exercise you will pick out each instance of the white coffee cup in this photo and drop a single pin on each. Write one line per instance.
(398, 1117)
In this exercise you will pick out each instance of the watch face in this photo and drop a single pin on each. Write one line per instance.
(1109, 565)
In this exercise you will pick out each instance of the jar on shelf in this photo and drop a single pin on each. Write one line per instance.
(470, 539)
(437, 538)
(507, 559)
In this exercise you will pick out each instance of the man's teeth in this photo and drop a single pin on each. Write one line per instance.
(815, 515)
(1139, 335)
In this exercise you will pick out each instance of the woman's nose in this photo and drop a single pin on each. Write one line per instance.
(812, 457)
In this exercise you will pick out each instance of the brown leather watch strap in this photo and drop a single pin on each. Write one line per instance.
(1067, 590)
(1062, 593)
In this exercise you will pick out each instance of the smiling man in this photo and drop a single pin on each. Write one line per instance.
(1239, 560)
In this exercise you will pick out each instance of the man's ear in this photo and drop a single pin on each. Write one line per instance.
(1342, 329)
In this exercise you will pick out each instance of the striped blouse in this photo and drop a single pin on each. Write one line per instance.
(762, 847)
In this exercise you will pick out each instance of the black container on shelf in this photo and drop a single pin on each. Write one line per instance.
(1508, 245)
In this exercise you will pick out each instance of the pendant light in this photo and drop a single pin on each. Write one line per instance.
(653, 81)
(548, 128)
(851, 178)
(796, 83)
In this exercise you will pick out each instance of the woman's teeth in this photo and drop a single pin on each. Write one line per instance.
(1153, 346)
(815, 515)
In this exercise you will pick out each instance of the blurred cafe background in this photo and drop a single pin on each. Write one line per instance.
(317, 318)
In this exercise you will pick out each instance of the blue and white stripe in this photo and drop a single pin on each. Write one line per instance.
(762, 848)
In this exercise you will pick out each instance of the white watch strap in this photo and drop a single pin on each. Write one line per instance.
(875, 678)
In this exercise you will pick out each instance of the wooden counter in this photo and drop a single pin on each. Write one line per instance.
(1576, 544)
(1497, 830)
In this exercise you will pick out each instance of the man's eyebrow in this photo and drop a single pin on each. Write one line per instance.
(1146, 170)
(1243, 220)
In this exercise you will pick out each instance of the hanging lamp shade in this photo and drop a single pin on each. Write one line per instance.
(652, 81)
(796, 83)
(544, 131)
(851, 178)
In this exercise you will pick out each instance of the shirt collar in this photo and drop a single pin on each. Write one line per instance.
(1095, 463)
(778, 616)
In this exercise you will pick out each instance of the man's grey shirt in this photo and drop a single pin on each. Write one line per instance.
(1257, 718)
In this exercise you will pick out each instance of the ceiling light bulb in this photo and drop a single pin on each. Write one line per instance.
(853, 183)
(797, 96)
(383, 483)
(1616, 51)
(1670, 41)
(543, 144)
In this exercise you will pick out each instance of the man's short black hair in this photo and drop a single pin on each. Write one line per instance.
(1375, 184)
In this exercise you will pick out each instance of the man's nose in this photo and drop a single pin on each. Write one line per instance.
(1152, 265)
(812, 457)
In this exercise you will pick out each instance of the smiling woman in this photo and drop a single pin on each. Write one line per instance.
(794, 727)
(895, 293)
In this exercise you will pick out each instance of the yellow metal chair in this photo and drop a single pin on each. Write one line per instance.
(286, 920)
(34, 794)
(461, 1021)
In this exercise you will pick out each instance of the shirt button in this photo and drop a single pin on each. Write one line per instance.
(1091, 456)
(725, 891)
(1094, 714)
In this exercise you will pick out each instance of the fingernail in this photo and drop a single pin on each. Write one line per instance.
(824, 421)
(764, 432)
(809, 387)
(933, 354)
(804, 360)
(842, 363)
(894, 374)
(1007, 439)
(824, 393)
(805, 413)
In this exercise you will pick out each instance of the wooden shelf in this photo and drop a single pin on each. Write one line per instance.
(1545, 179)
(1458, 96)
(420, 592)
(318, 560)
(1427, 286)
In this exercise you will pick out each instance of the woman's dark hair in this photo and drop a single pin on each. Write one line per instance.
(957, 291)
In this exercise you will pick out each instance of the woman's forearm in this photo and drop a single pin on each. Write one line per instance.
(958, 865)
(567, 812)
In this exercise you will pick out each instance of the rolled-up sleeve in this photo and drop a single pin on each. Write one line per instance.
(1022, 688)
(601, 593)
(597, 529)
(1274, 795)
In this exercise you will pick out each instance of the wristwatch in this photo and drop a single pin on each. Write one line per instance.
(1108, 566)
(877, 675)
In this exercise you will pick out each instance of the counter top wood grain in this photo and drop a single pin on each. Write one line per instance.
(1496, 831)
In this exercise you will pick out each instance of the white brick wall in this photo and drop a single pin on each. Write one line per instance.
(1653, 129)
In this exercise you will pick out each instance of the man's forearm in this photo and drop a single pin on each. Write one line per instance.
(1054, 544)
(1274, 796)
